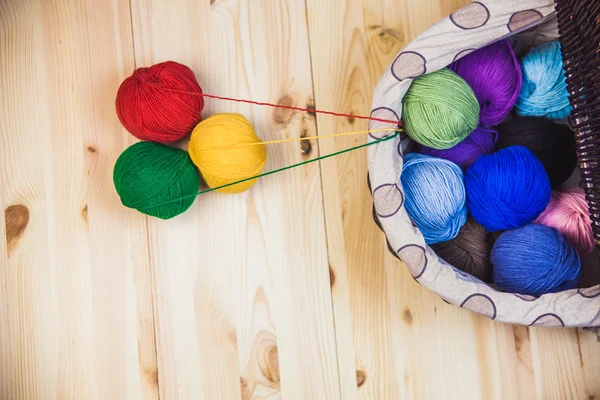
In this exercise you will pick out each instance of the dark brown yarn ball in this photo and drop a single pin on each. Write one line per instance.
(552, 143)
(469, 251)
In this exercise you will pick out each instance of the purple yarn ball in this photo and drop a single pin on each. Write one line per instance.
(494, 74)
(480, 141)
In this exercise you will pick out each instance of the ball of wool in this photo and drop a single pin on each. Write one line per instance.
(568, 212)
(480, 141)
(544, 90)
(469, 251)
(161, 103)
(552, 143)
(494, 74)
(435, 196)
(439, 109)
(147, 175)
(534, 260)
(226, 149)
(507, 189)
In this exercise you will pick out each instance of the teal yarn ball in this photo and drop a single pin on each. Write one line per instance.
(147, 174)
(544, 91)
(439, 110)
(435, 196)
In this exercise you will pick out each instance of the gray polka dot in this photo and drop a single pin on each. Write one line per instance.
(522, 19)
(526, 297)
(480, 304)
(590, 292)
(415, 259)
(595, 320)
(387, 114)
(409, 65)
(387, 200)
(471, 16)
(462, 53)
(548, 320)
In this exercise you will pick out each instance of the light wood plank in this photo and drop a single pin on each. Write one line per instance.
(402, 335)
(239, 284)
(589, 348)
(558, 367)
(76, 320)
(241, 281)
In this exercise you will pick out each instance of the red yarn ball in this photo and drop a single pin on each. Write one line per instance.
(161, 103)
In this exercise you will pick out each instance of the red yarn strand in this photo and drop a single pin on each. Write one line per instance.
(163, 103)
(309, 110)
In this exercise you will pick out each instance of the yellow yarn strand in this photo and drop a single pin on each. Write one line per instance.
(245, 155)
(298, 139)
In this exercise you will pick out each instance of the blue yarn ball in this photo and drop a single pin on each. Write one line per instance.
(435, 196)
(534, 260)
(544, 89)
(507, 189)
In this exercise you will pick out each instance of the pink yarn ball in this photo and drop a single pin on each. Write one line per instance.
(568, 212)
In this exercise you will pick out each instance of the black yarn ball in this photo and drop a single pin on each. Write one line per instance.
(469, 251)
(552, 143)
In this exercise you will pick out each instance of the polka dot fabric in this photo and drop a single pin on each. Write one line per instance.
(465, 30)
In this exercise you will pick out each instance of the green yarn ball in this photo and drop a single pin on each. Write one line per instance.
(148, 174)
(440, 109)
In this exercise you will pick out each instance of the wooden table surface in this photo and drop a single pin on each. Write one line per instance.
(286, 290)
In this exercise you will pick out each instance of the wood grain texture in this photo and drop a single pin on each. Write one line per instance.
(74, 299)
(285, 291)
(404, 338)
(242, 280)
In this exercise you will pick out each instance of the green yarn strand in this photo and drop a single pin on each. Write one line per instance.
(156, 179)
(440, 109)
(193, 196)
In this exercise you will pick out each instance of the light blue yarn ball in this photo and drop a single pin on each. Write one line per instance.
(544, 90)
(435, 196)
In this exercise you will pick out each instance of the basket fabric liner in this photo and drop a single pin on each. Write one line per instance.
(471, 27)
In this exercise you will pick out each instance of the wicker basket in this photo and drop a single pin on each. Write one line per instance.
(525, 23)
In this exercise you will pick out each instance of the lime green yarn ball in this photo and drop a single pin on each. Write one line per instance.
(149, 174)
(440, 109)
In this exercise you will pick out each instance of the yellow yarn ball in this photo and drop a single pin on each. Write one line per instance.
(219, 148)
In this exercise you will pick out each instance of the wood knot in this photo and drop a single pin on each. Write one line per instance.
(91, 149)
(361, 377)
(151, 375)
(270, 366)
(84, 213)
(391, 34)
(310, 105)
(351, 119)
(331, 276)
(283, 116)
(245, 389)
(305, 145)
(407, 316)
(16, 218)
